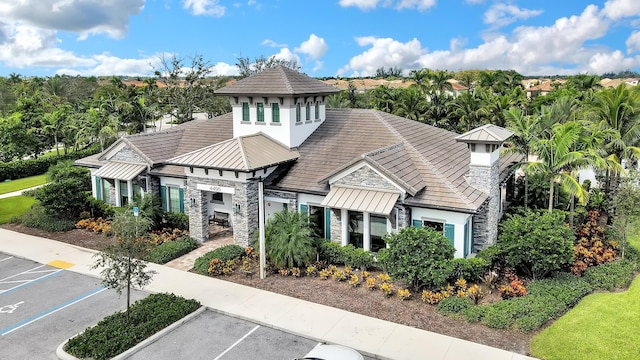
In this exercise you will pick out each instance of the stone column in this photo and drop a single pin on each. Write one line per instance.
(485, 224)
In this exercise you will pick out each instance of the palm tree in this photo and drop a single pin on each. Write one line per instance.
(489, 79)
(412, 104)
(289, 239)
(439, 80)
(468, 108)
(384, 98)
(420, 77)
(618, 111)
(337, 101)
(525, 130)
(559, 158)
(54, 123)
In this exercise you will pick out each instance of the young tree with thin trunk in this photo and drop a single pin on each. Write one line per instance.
(121, 263)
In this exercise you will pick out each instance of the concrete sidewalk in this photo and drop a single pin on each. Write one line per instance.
(19, 192)
(376, 338)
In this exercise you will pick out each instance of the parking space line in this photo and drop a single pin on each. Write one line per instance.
(237, 342)
(44, 314)
(7, 258)
(28, 281)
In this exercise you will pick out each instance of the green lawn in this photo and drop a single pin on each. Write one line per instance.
(602, 326)
(25, 183)
(14, 206)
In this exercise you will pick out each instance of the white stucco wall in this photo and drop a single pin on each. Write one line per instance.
(447, 217)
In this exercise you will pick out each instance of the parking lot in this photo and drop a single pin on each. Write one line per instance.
(42, 305)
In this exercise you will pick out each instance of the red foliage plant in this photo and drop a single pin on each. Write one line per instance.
(592, 248)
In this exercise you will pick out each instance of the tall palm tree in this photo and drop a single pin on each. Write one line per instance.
(420, 77)
(412, 104)
(618, 110)
(525, 131)
(469, 109)
(440, 80)
(55, 122)
(559, 157)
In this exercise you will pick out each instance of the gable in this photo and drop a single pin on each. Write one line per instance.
(361, 175)
(126, 154)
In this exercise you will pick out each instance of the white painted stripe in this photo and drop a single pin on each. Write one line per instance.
(8, 258)
(43, 271)
(24, 272)
(53, 311)
(237, 342)
(25, 282)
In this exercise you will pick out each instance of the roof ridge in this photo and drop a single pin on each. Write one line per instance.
(412, 149)
(286, 81)
(137, 151)
(243, 153)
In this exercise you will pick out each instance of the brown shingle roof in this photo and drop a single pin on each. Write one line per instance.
(487, 133)
(276, 81)
(440, 162)
(243, 153)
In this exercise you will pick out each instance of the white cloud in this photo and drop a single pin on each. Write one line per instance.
(83, 17)
(224, 69)
(384, 52)
(315, 47)
(618, 9)
(204, 7)
(633, 42)
(399, 4)
(286, 54)
(502, 14)
(272, 43)
(544, 50)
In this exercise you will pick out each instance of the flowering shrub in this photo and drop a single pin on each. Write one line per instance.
(514, 289)
(98, 225)
(475, 293)
(370, 283)
(347, 270)
(250, 253)
(354, 281)
(295, 272)
(165, 235)
(339, 275)
(215, 267)
(365, 274)
(431, 297)
(324, 274)
(312, 271)
(404, 294)
(386, 288)
(384, 277)
(592, 247)
(284, 272)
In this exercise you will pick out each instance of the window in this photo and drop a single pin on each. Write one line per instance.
(298, 119)
(437, 226)
(124, 193)
(275, 113)
(316, 218)
(378, 230)
(245, 111)
(472, 147)
(317, 110)
(356, 227)
(174, 199)
(106, 191)
(260, 110)
(308, 111)
(217, 198)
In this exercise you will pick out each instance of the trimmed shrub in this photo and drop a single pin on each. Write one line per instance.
(224, 253)
(289, 240)
(38, 218)
(356, 258)
(548, 299)
(331, 252)
(170, 250)
(176, 221)
(454, 305)
(474, 314)
(608, 276)
(536, 243)
(114, 334)
(24, 168)
(472, 269)
(418, 256)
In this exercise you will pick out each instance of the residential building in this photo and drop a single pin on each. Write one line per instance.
(357, 173)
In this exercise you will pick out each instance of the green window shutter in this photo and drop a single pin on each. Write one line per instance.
(466, 239)
(449, 233)
(181, 192)
(275, 113)
(163, 197)
(98, 188)
(417, 223)
(303, 209)
(327, 223)
(245, 111)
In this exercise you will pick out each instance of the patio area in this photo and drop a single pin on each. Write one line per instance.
(218, 236)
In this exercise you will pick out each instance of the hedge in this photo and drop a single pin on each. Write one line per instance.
(114, 334)
(608, 276)
(170, 250)
(24, 168)
(224, 253)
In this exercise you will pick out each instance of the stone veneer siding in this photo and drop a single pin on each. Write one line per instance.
(126, 154)
(336, 226)
(485, 224)
(293, 202)
(245, 223)
(366, 177)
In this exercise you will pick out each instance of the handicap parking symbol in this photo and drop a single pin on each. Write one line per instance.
(9, 309)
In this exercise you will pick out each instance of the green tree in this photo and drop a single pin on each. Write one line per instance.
(289, 239)
(121, 264)
(559, 157)
(412, 104)
(247, 68)
(525, 130)
(625, 204)
(418, 256)
(469, 109)
(66, 193)
(536, 243)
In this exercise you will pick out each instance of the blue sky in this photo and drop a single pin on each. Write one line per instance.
(326, 37)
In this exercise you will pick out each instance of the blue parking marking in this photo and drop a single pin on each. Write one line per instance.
(43, 314)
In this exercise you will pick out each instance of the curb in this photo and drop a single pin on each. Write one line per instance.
(63, 355)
